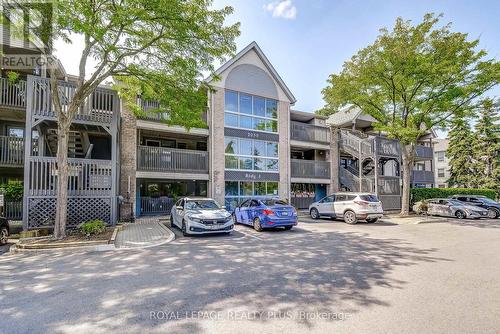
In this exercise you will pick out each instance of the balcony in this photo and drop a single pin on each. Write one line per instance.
(149, 111)
(11, 151)
(12, 95)
(388, 147)
(422, 176)
(310, 133)
(310, 169)
(100, 108)
(423, 153)
(163, 159)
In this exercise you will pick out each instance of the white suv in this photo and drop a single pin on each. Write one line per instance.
(350, 206)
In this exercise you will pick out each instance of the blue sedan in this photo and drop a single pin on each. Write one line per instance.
(265, 213)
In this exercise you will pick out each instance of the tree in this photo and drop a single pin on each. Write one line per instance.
(460, 153)
(487, 146)
(412, 79)
(157, 48)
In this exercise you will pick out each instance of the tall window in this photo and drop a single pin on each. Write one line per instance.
(440, 172)
(250, 112)
(248, 154)
(238, 191)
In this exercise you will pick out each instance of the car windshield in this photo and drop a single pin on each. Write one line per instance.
(273, 202)
(369, 198)
(202, 204)
(455, 202)
(487, 200)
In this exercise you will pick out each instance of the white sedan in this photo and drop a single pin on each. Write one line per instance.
(201, 216)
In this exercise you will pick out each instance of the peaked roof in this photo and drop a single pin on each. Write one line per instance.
(266, 62)
(347, 116)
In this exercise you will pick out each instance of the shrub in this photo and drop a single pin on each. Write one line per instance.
(419, 194)
(92, 227)
(13, 191)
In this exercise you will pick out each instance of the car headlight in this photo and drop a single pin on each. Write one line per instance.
(227, 219)
(194, 219)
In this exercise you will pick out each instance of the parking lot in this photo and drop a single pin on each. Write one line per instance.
(323, 276)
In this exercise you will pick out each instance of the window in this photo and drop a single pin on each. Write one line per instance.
(328, 199)
(440, 172)
(250, 112)
(248, 154)
(440, 155)
(441, 185)
(340, 198)
(16, 132)
(239, 191)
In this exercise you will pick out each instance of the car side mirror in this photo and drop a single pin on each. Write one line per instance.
(178, 207)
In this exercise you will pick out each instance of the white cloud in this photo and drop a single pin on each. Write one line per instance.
(284, 8)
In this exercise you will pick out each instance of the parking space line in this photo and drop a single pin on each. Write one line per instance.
(250, 235)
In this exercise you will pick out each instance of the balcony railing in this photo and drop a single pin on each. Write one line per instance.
(310, 169)
(12, 94)
(87, 177)
(11, 151)
(422, 176)
(99, 107)
(310, 133)
(424, 152)
(150, 111)
(163, 159)
(388, 147)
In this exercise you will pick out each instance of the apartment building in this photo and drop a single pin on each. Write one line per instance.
(255, 144)
(441, 161)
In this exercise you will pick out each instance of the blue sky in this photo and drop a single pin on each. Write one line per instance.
(306, 40)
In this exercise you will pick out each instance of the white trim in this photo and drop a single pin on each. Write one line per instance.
(266, 62)
(172, 176)
(156, 126)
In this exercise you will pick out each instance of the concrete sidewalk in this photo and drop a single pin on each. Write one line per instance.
(144, 234)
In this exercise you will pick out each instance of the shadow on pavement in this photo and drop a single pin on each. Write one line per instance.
(109, 291)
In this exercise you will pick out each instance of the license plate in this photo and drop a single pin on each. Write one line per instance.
(373, 206)
(212, 227)
(284, 213)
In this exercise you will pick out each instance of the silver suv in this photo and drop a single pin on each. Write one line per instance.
(349, 206)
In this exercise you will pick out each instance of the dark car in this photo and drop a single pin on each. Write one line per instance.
(480, 201)
(4, 230)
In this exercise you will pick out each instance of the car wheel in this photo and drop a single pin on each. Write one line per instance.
(460, 214)
(288, 227)
(314, 213)
(373, 220)
(234, 218)
(350, 217)
(4, 235)
(493, 213)
(184, 229)
(257, 225)
(172, 221)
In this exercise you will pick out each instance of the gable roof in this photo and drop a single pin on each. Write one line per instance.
(348, 115)
(254, 46)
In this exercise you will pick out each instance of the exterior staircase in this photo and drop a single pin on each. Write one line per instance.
(77, 145)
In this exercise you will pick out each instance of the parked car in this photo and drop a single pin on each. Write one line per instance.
(448, 207)
(201, 216)
(482, 202)
(349, 206)
(4, 230)
(265, 213)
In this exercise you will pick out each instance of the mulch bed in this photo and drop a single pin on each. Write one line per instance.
(73, 239)
(78, 237)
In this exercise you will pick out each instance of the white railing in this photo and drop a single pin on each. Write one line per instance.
(99, 107)
(12, 94)
(87, 177)
(163, 159)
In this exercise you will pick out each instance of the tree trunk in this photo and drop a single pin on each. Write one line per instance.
(408, 155)
(62, 181)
